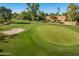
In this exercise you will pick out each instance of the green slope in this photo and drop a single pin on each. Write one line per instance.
(42, 39)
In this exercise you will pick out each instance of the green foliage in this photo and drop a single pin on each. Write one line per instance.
(41, 16)
(5, 14)
(72, 11)
(32, 8)
(76, 17)
(65, 13)
(22, 15)
(14, 15)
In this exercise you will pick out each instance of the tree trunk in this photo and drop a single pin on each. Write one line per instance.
(32, 16)
(71, 22)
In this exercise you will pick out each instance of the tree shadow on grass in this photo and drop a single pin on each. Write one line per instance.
(5, 38)
(21, 22)
(5, 54)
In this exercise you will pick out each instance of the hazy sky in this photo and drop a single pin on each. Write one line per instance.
(46, 7)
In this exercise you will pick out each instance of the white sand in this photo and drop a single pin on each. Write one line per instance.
(13, 31)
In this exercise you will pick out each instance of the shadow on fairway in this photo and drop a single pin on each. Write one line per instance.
(21, 22)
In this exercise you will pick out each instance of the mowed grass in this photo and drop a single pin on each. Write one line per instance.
(59, 35)
(42, 40)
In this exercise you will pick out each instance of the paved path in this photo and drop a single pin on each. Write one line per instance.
(13, 31)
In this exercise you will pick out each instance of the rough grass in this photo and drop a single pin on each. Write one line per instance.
(42, 39)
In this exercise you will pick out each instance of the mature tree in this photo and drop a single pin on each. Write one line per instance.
(23, 15)
(5, 13)
(72, 10)
(76, 17)
(14, 15)
(32, 8)
(41, 16)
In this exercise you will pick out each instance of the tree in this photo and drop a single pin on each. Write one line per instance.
(72, 10)
(41, 16)
(32, 8)
(76, 17)
(14, 15)
(64, 14)
(5, 13)
(23, 15)
(58, 12)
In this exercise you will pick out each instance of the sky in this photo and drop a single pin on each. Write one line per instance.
(46, 7)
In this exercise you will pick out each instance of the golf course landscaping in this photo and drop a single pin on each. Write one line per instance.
(41, 40)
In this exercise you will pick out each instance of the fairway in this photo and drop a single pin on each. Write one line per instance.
(42, 40)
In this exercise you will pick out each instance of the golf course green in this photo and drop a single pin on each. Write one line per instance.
(42, 40)
(59, 35)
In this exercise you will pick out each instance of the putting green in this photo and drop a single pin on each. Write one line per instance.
(58, 35)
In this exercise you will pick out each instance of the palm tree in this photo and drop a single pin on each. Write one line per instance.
(72, 10)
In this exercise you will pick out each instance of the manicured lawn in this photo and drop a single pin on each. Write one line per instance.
(42, 39)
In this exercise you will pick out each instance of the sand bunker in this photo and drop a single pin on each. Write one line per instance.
(13, 31)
